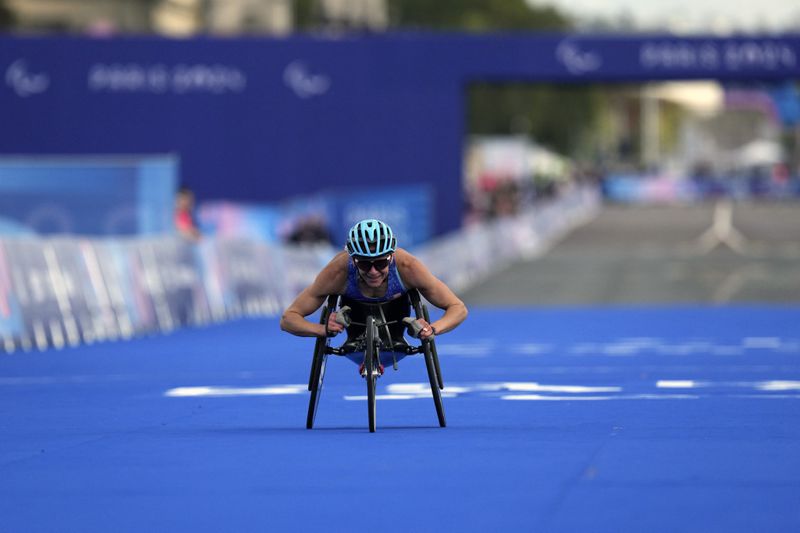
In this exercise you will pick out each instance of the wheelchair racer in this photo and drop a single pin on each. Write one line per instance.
(372, 270)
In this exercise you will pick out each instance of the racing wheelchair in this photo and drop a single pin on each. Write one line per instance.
(376, 330)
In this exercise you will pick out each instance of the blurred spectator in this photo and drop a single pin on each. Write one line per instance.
(504, 200)
(311, 230)
(185, 221)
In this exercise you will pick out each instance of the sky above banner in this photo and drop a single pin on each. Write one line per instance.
(688, 15)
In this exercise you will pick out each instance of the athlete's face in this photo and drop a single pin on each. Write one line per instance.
(374, 271)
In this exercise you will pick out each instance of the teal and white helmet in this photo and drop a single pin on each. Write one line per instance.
(371, 238)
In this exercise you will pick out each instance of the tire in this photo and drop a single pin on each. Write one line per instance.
(435, 391)
(316, 391)
(319, 347)
(370, 362)
(318, 363)
(431, 360)
(434, 353)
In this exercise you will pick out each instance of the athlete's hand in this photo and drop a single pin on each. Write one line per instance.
(419, 328)
(426, 331)
(333, 328)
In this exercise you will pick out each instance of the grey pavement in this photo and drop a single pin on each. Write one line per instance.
(710, 253)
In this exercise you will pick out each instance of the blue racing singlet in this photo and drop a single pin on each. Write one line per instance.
(393, 289)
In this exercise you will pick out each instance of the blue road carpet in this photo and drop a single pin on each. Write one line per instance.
(559, 420)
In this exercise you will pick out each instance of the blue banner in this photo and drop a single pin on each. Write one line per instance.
(87, 196)
(409, 211)
(325, 218)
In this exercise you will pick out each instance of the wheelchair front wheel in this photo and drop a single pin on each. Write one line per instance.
(371, 369)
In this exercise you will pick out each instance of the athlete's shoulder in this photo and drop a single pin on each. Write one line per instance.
(411, 269)
(340, 259)
(333, 276)
(403, 256)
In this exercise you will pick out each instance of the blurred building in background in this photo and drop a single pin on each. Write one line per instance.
(80, 16)
(182, 18)
(279, 17)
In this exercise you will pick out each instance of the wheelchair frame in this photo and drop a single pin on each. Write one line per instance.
(371, 342)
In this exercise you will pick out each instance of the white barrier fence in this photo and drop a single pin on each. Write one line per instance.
(65, 291)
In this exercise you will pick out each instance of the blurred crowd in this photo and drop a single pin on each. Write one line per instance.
(507, 175)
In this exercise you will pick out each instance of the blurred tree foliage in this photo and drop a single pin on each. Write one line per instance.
(561, 117)
(304, 14)
(474, 15)
(6, 17)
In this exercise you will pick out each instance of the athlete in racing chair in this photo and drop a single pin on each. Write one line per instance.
(372, 273)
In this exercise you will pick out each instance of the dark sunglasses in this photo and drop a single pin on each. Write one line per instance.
(379, 264)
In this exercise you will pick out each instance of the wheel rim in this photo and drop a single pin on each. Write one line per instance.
(369, 360)
(435, 392)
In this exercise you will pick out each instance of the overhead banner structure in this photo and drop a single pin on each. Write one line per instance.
(262, 120)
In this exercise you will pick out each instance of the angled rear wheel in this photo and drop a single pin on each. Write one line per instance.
(435, 391)
(318, 363)
(434, 353)
(316, 391)
(431, 360)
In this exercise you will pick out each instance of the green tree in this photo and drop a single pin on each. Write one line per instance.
(474, 15)
(6, 17)
(562, 117)
(457, 15)
(304, 14)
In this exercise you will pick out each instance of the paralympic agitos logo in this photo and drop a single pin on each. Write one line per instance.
(302, 82)
(576, 60)
(24, 82)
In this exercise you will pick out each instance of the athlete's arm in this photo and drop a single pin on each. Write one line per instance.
(331, 280)
(417, 275)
